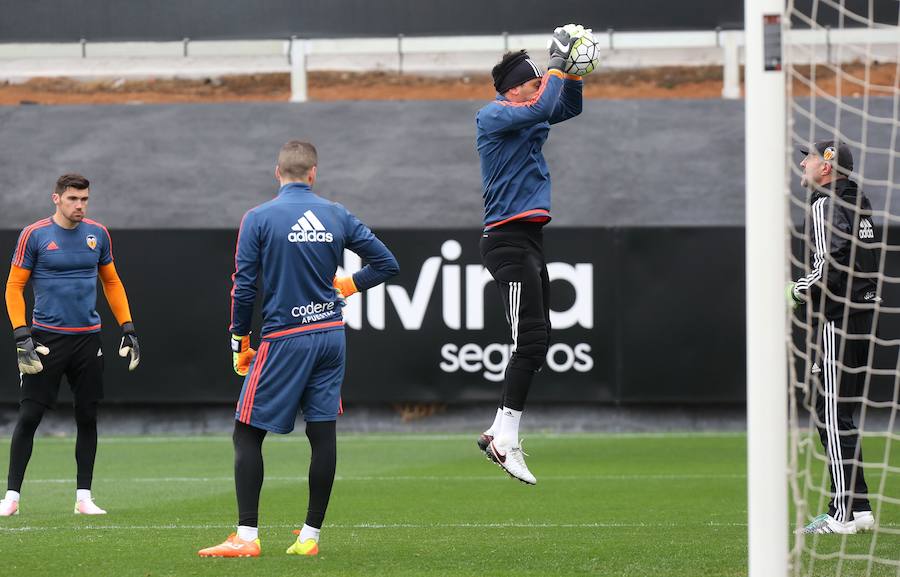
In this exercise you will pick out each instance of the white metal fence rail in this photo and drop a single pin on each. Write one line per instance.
(432, 55)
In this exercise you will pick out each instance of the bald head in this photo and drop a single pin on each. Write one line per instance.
(295, 160)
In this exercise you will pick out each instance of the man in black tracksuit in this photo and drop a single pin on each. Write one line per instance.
(840, 310)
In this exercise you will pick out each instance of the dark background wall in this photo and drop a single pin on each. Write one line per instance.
(630, 163)
(649, 193)
(667, 323)
(69, 20)
(96, 20)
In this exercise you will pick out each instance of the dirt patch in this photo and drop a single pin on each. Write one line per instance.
(648, 83)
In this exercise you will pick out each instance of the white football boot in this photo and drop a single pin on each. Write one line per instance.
(9, 507)
(511, 460)
(87, 507)
(863, 521)
(825, 523)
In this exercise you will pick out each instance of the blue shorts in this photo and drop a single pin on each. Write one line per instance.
(299, 372)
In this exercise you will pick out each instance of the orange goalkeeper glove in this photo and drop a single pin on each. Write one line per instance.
(241, 354)
(345, 286)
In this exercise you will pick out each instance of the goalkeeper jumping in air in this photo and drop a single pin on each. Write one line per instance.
(510, 133)
(294, 242)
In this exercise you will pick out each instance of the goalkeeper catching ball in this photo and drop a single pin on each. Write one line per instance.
(510, 135)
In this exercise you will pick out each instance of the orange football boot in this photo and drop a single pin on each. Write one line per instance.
(234, 546)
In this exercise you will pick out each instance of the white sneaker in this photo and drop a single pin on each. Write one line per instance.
(87, 507)
(863, 521)
(8, 507)
(825, 523)
(511, 460)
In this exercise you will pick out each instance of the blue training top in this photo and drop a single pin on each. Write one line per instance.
(297, 241)
(63, 264)
(509, 137)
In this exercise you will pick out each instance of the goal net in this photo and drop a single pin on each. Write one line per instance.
(842, 65)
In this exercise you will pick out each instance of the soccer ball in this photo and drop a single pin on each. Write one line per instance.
(585, 54)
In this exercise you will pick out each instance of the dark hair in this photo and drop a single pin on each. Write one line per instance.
(296, 158)
(71, 181)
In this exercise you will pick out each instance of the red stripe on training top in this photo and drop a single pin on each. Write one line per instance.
(247, 410)
(236, 246)
(537, 215)
(108, 238)
(23, 240)
(66, 329)
(303, 329)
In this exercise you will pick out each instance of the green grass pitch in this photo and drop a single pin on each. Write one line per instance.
(617, 505)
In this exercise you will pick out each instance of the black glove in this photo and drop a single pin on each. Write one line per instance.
(26, 352)
(129, 346)
(560, 46)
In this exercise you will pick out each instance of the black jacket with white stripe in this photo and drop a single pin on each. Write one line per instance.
(839, 227)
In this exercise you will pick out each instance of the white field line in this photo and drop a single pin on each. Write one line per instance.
(380, 526)
(407, 437)
(369, 478)
(420, 526)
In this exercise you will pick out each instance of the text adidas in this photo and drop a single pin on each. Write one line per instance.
(310, 236)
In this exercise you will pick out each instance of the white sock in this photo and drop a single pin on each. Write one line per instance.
(508, 435)
(12, 496)
(496, 426)
(82, 495)
(308, 532)
(248, 533)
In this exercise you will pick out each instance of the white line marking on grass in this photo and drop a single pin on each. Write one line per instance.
(469, 478)
(407, 437)
(419, 526)
(378, 526)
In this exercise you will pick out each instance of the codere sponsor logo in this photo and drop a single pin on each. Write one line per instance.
(309, 229)
(313, 312)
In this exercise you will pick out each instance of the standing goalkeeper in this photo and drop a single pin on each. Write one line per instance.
(62, 256)
(842, 305)
(294, 244)
(510, 134)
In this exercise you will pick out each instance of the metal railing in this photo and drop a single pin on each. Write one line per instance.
(435, 54)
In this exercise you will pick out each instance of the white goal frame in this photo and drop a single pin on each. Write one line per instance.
(766, 204)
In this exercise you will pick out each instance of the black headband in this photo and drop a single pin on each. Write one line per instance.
(517, 71)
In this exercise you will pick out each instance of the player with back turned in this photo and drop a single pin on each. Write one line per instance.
(294, 242)
(510, 134)
(63, 255)
(841, 310)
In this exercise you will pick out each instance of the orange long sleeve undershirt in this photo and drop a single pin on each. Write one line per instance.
(15, 295)
(115, 293)
(112, 288)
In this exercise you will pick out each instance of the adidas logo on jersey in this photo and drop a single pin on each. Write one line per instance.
(865, 229)
(309, 229)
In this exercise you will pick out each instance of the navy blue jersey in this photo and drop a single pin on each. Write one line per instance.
(510, 137)
(296, 241)
(63, 264)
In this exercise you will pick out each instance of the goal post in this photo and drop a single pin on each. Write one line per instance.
(822, 417)
(766, 248)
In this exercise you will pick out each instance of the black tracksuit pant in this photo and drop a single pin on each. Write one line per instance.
(834, 411)
(514, 255)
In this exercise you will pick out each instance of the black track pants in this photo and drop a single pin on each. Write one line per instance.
(837, 429)
(514, 255)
